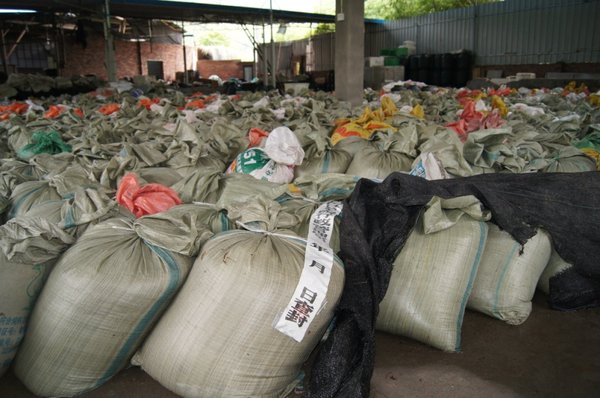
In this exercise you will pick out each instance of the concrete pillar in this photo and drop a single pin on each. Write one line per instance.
(349, 50)
(109, 50)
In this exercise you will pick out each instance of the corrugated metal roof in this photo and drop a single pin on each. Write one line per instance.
(177, 11)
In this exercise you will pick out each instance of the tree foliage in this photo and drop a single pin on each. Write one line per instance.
(398, 9)
(214, 39)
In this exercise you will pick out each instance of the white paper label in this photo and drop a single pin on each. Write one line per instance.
(311, 291)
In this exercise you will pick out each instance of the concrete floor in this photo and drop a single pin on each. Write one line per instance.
(553, 354)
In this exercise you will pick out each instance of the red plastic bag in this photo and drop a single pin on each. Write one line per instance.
(256, 135)
(147, 199)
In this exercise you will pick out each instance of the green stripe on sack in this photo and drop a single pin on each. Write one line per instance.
(482, 238)
(142, 326)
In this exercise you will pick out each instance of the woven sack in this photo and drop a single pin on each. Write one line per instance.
(102, 298)
(352, 145)
(28, 249)
(384, 155)
(30, 193)
(321, 157)
(555, 266)
(159, 175)
(218, 338)
(307, 193)
(433, 275)
(76, 213)
(507, 278)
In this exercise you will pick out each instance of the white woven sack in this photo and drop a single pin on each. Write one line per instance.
(555, 266)
(430, 284)
(100, 301)
(507, 279)
(218, 338)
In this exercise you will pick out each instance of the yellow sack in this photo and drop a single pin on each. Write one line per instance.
(497, 103)
(418, 111)
(594, 99)
(388, 106)
(366, 116)
(378, 115)
(594, 154)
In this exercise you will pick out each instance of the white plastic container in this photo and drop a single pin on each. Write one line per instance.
(375, 61)
(296, 87)
(411, 45)
(525, 75)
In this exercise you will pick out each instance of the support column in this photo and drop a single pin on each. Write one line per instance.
(3, 52)
(349, 50)
(185, 76)
(139, 57)
(264, 57)
(109, 50)
(273, 68)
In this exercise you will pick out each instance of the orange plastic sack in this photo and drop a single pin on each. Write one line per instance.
(256, 136)
(349, 130)
(460, 128)
(78, 112)
(501, 92)
(16, 107)
(195, 104)
(54, 111)
(147, 102)
(147, 199)
(109, 109)
(473, 120)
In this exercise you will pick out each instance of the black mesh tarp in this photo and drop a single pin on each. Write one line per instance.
(378, 218)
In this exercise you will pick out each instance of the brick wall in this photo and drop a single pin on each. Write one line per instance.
(90, 60)
(223, 69)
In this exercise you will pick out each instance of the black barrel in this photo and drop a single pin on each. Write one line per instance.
(447, 78)
(425, 61)
(447, 61)
(423, 75)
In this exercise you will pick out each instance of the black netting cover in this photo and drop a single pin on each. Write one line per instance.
(378, 218)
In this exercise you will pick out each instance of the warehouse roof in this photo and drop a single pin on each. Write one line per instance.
(177, 11)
